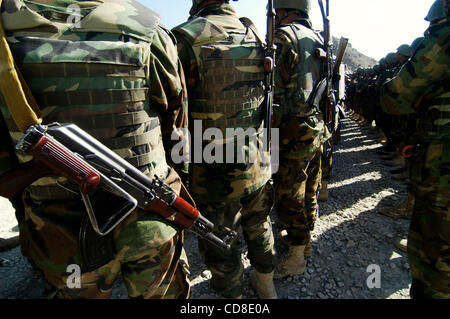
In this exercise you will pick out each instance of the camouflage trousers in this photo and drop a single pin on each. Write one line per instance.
(252, 213)
(296, 184)
(148, 253)
(429, 234)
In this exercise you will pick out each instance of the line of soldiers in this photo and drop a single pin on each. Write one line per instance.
(393, 131)
(406, 95)
(133, 84)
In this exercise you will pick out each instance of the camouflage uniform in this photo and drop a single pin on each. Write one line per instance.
(422, 88)
(223, 62)
(302, 129)
(115, 75)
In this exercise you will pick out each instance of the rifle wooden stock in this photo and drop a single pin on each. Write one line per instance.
(343, 42)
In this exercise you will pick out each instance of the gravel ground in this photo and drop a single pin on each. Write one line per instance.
(350, 237)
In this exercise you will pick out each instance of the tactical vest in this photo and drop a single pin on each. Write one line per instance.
(309, 70)
(94, 75)
(230, 59)
(230, 66)
(435, 122)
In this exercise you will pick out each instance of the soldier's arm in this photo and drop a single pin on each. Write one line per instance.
(168, 91)
(286, 59)
(188, 60)
(430, 65)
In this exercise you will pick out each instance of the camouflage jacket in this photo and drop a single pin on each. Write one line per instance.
(298, 71)
(422, 85)
(125, 53)
(223, 64)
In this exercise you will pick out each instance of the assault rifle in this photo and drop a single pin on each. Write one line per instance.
(269, 66)
(331, 67)
(110, 187)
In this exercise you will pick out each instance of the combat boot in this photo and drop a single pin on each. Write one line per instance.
(389, 156)
(402, 244)
(401, 176)
(323, 192)
(396, 161)
(293, 264)
(398, 170)
(402, 211)
(308, 250)
(263, 284)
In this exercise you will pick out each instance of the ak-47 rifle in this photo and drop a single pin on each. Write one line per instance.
(269, 66)
(328, 104)
(332, 66)
(110, 187)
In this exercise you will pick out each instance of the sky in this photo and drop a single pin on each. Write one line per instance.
(374, 27)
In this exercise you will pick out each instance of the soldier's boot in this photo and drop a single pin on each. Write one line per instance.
(403, 210)
(404, 176)
(293, 264)
(402, 244)
(399, 170)
(382, 139)
(389, 156)
(397, 161)
(308, 250)
(323, 192)
(263, 284)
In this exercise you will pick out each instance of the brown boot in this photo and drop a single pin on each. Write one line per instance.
(403, 210)
(293, 264)
(263, 284)
(323, 192)
(308, 250)
(402, 244)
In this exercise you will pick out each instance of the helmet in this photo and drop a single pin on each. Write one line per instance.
(438, 11)
(390, 58)
(405, 50)
(302, 5)
(195, 5)
(415, 44)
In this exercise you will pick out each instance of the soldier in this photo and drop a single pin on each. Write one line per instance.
(302, 130)
(223, 62)
(421, 87)
(111, 68)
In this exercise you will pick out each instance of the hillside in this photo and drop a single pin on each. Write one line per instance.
(354, 59)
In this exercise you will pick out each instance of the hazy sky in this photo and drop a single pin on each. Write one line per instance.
(374, 27)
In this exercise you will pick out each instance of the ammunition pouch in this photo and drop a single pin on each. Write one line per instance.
(96, 250)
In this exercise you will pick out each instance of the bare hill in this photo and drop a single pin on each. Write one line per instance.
(354, 59)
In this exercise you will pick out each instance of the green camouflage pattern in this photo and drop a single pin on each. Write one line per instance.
(229, 194)
(421, 87)
(251, 213)
(296, 75)
(420, 83)
(302, 130)
(147, 253)
(223, 63)
(115, 76)
(429, 234)
(297, 182)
